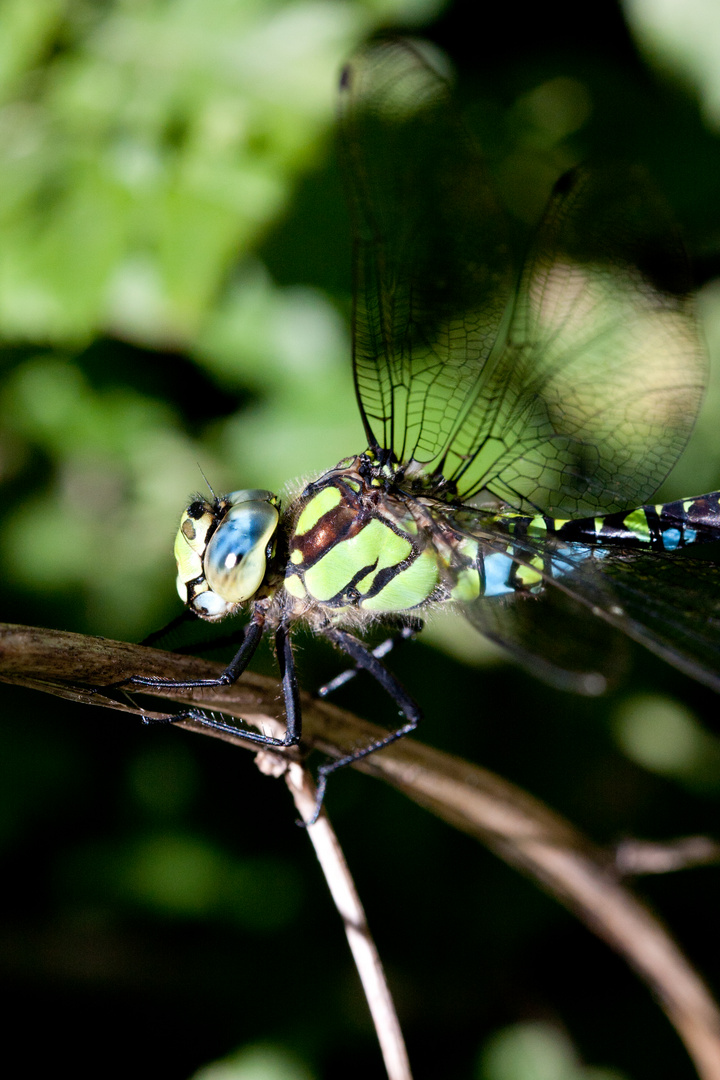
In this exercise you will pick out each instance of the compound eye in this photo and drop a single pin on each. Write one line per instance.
(235, 561)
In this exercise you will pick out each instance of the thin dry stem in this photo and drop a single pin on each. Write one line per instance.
(346, 900)
(635, 857)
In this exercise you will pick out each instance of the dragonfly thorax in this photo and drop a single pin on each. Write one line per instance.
(361, 543)
(222, 550)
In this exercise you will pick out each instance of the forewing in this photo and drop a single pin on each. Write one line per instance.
(576, 396)
(431, 268)
(591, 398)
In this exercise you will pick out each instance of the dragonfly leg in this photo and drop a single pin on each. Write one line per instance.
(251, 639)
(366, 660)
(290, 693)
(241, 659)
(192, 648)
(406, 631)
(174, 624)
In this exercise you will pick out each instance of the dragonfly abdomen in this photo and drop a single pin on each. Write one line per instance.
(660, 527)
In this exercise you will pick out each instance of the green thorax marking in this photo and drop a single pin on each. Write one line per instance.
(356, 545)
(322, 503)
(362, 540)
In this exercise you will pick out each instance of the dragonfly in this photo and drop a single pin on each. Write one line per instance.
(517, 424)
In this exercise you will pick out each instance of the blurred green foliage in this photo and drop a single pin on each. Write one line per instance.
(536, 1051)
(174, 292)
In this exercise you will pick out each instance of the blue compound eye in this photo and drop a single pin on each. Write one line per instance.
(220, 549)
(235, 560)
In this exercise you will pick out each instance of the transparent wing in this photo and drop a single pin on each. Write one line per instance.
(430, 262)
(594, 393)
(669, 602)
(574, 391)
(556, 638)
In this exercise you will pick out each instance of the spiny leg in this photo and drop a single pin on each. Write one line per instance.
(251, 639)
(405, 632)
(291, 694)
(366, 660)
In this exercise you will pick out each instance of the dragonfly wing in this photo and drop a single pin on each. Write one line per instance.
(564, 627)
(555, 638)
(573, 388)
(671, 604)
(668, 603)
(430, 261)
(593, 395)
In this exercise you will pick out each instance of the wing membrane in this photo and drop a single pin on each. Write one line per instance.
(556, 638)
(668, 602)
(574, 392)
(431, 268)
(596, 390)
(671, 604)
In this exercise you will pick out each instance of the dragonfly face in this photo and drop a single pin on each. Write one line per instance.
(221, 550)
(516, 423)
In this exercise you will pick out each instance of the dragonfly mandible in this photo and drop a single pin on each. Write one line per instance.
(516, 423)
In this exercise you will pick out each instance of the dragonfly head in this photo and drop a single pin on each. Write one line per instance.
(222, 548)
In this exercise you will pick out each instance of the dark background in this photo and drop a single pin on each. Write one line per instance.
(174, 289)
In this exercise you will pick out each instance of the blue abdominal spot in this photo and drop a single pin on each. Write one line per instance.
(499, 567)
(497, 571)
(671, 539)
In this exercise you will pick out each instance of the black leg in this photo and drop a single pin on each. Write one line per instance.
(363, 658)
(366, 660)
(197, 648)
(158, 635)
(407, 631)
(251, 640)
(193, 648)
(253, 633)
